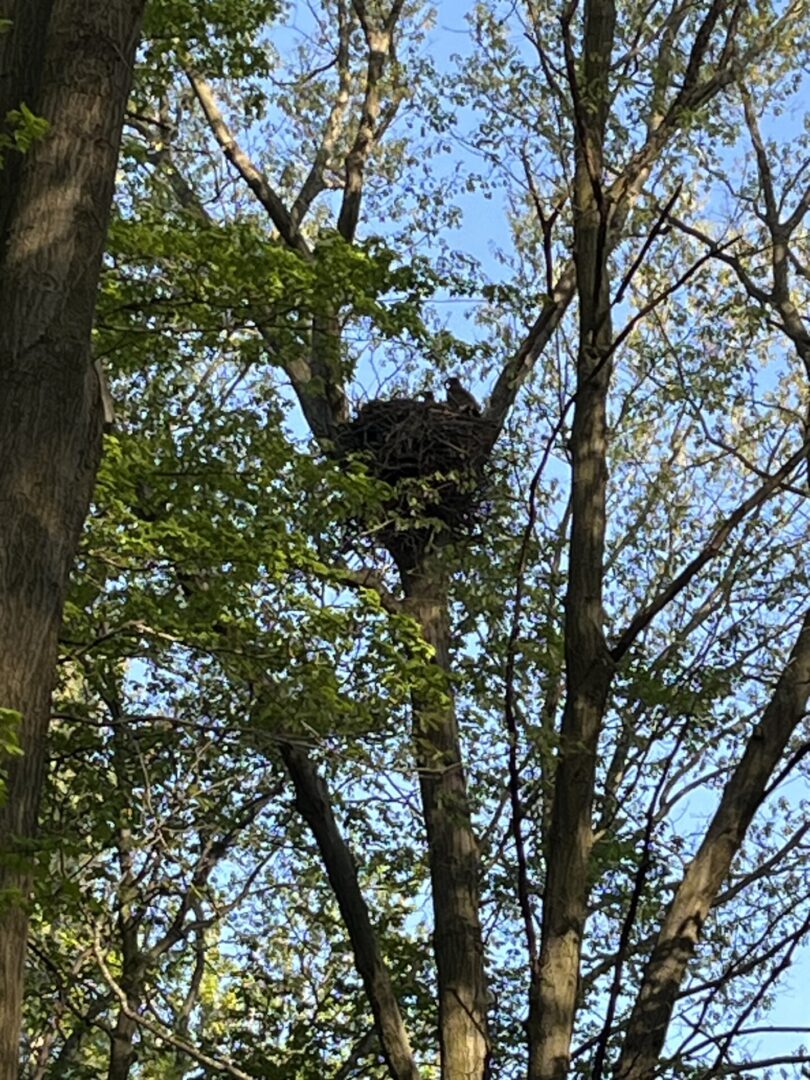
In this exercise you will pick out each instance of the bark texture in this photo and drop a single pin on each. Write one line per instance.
(452, 846)
(589, 668)
(70, 61)
(313, 803)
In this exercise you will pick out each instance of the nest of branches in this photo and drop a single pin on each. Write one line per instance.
(434, 458)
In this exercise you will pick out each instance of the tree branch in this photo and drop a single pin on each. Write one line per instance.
(643, 619)
(380, 43)
(217, 1064)
(314, 183)
(692, 902)
(314, 804)
(253, 177)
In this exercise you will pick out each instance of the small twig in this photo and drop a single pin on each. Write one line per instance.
(218, 1064)
(659, 298)
(642, 620)
(656, 230)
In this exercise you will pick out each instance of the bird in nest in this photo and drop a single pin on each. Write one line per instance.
(459, 399)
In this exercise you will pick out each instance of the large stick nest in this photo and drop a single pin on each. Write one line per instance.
(433, 456)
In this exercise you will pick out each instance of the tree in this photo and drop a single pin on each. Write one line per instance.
(68, 64)
(554, 629)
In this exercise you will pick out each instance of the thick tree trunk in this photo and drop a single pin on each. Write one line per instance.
(452, 847)
(69, 61)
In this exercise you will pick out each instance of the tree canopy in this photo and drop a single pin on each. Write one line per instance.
(395, 737)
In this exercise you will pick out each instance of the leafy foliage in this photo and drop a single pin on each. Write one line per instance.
(22, 128)
(234, 594)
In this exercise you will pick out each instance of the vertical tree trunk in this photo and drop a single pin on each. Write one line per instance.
(589, 668)
(69, 61)
(452, 846)
(122, 1039)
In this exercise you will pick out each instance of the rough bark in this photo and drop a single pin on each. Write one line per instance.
(589, 668)
(452, 846)
(71, 61)
(692, 902)
(313, 803)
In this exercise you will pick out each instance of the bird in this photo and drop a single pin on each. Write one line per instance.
(459, 399)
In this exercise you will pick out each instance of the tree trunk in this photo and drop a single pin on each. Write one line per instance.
(690, 907)
(122, 1047)
(589, 667)
(452, 847)
(313, 803)
(69, 61)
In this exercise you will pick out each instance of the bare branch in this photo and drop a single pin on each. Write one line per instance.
(796, 218)
(217, 1064)
(380, 42)
(546, 221)
(745, 1068)
(212, 854)
(763, 165)
(715, 545)
(517, 369)
(697, 56)
(253, 177)
(510, 719)
(314, 804)
(662, 68)
(617, 198)
(649, 240)
(314, 183)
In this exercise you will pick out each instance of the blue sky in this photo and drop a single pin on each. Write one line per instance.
(480, 231)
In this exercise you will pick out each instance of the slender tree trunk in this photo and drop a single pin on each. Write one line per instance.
(69, 61)
(452, 847)
(690, 907)
(589, 668)
(122, 1046)
(122, 1038)
(313, 803)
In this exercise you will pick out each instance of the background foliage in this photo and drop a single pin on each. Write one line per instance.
(216, 613)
